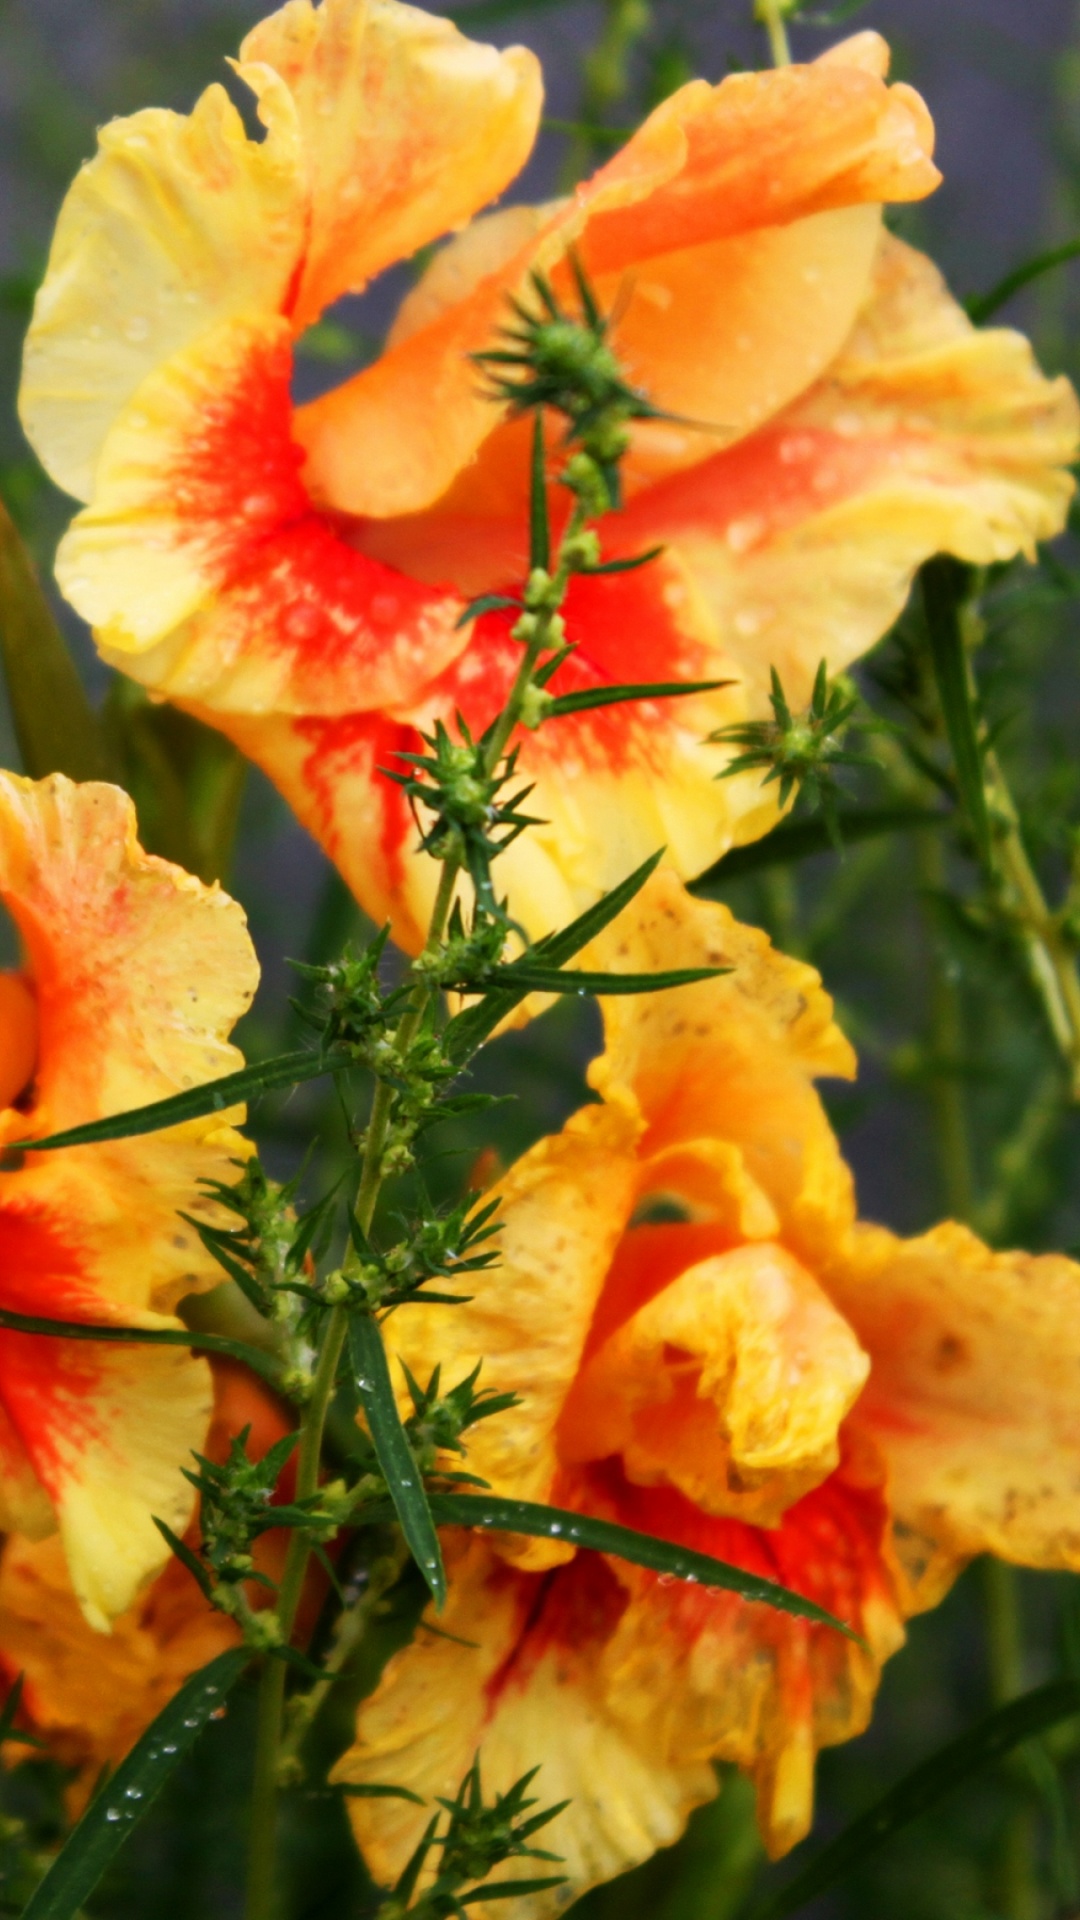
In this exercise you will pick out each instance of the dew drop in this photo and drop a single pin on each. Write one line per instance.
(112, 1814)
(137, 329)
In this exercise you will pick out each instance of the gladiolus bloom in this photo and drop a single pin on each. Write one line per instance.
(90, 1698)
(709, 1346)
(134, 975)
(295, 574)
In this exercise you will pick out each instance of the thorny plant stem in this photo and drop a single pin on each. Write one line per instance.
(269, 1751)
(771, 15)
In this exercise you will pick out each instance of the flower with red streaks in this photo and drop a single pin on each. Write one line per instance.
(295, 573)
(133, 976)
(710, 1347)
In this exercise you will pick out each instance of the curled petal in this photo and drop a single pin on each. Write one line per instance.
(207, 573)
(972, 1396)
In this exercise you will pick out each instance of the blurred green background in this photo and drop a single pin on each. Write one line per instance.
(960, 1106)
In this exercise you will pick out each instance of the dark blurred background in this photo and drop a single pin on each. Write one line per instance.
(1002, 78)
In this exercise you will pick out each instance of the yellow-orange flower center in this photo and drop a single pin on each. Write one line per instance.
(18, 1037)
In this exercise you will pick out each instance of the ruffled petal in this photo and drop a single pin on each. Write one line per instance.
(625, 1689)
(384, 129)
(561, 1211)
(760, 151)
(407, 128)
(925, 435)
(730, 1384)
(139, 972)
(734, 1056)
(972, 1396)
(207, 573)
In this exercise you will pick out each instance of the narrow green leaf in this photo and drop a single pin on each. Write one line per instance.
(371, 1376)
(213, 1096)
(468, 1030)
(632, 561)
(111, 1818)
(924, 1787)
(612, 696)
(982, 306)
(604, 1536)
(943, 583)
(485, 603)
(509, 1889)
(55, 725)
(373, 1790)
(558, 980)
(186, 1558)
(800, 839)
(259, 1361)
(539, 523)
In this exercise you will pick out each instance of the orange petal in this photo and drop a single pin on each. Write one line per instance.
(206, 571)
(734, 1056)
(760, 151)
(18, 1037)
(730, 1384)
(407, 127)
(925, 435)
(971, 1398)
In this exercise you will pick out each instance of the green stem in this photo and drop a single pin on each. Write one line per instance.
(1015, 1885)
(607, 80)
(947, 1049)
(771, 15)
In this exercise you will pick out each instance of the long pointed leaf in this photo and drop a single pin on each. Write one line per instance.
(111, 1818)
(924, 1787)
(588, 697)
(943, 593)
(556, 980)
(496, 1515)
(395, 1456)
(800, 839)
(55, 725)
(266, 1364)
(468, 1030)
(213, 1096)
(983, 305)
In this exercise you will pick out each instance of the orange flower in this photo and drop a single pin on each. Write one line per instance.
(296, 574)
(708, 1346)
(90, 1697)
(134, 975)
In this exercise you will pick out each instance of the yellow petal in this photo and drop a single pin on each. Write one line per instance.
(972, 1396)
(734, 1056)
(408, 128)
(178, 223)
(730, 1384)
(562, 1208)
(204, 569)
(440, 1704)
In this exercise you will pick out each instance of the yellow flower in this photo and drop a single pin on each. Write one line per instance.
(296, 573)
(134, 974)
(710, 1347)
(90, 1698)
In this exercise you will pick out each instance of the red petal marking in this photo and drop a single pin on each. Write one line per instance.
(574, 1607)
(42, 1380)
(295, 584)
(18, 1037)
(772, 480)
(349, 752)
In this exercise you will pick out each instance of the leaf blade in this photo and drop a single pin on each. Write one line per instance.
(802, 838)
(923, 1787)
(55, 725)
(588, 697)
(195, 1103)
(942, 586)
(109, 1819)
(259, 1361)
(371, 1375)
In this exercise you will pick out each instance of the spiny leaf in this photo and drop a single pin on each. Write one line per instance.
(468, 1030)
(924, 1787)
(110, 1819)
(611, 696)
(800, 839)
(260, 1362)
(605, 1536)
(943, 582)
(982, 306)
(371, 1377)
(55, 725)
(186, 1557)
(213, 1096)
